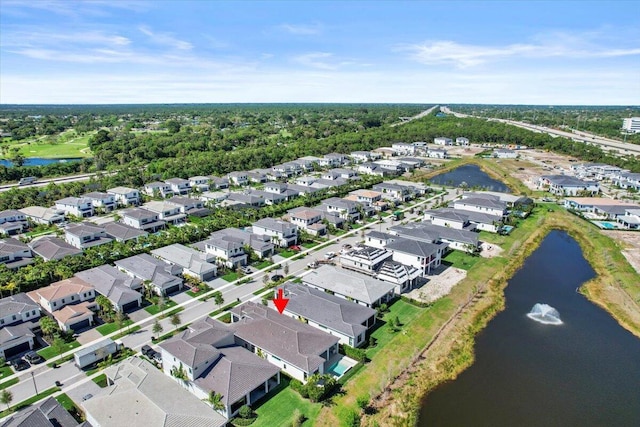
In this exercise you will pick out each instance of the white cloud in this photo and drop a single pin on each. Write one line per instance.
(165, 39)
(74, 9)
(557, 44)
(316, 60)
(302, 29)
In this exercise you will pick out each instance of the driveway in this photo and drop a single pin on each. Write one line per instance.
(89, 336)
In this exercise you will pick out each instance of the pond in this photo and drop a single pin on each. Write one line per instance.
(581, 368)
(473, 176)
(38, 161)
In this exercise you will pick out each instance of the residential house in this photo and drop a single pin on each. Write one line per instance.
(362, 289)
(296, 348)
(212, 363)
(79, 207)
(460, 239)
(125, 196)
(238, 178)
(367, 197)
(69, 301)
(365, 260)
(190, 206)
(193, 263)
(449, 217)
(306, 180)
(162, 277)
(201, 183)
(503, 153)
(121, 232)
(261, 245)
(122, 290)
(219, 183)
(228, 250)
(85, 235)
(257, 176)
(403, 277)
(373, 169)
(442, 141)
(42, 215)
(179, 186)
(360, 156)
(213, 197)
(12, 222)
(384, 152)
(101, 201)
(270, 198)
(437, 153)
(282, 233)
(158, 189)
(47, 413)
(167, 211)
(411, 162)
(393, 167)
(337, 316)
(345, 209)
(461, 140)
(562, 185)
(248, 199)
(18, 308)
(15, 340)
(332, 160)
(631, 219)
(144, 396)
(309, 220)
(306, 163)
(422, 255)
(394, 192)
(282, 189)
(14, 254)
(141, 219)
(51, 247)
(486, 205)
(403, 148)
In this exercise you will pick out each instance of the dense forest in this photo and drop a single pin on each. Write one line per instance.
(603, 121)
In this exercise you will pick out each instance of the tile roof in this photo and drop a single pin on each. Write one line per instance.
(50, 247)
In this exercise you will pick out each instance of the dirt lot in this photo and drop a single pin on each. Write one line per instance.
(438, 285)
(630, 241)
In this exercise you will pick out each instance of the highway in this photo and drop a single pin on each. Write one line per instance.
(605, 143)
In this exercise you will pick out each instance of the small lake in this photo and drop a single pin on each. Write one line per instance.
(38, 161)
(473, 176)
(584, 372)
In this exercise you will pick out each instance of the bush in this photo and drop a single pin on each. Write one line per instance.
(299, 387)
(354, 353)
(245, 412)
(363, 401)
(351, 419)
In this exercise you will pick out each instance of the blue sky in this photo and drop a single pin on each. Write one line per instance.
(120, 51)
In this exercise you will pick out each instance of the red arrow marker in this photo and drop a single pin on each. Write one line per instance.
(280, 302)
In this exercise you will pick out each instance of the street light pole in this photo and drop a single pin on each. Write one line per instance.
(34, 383)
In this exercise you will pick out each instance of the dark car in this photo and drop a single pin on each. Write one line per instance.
(156, 356)
(20, 365)
(33, 358)
(147, 351)
(277, 277)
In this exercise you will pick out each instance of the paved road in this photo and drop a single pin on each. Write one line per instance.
(605, 143)
(72, 377)
(60, 180)
(417, 116)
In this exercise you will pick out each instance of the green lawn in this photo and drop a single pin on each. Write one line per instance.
(405, 311)
(64, 146)
(9, 383)
(49, 352)
(109, 328)
(65, 401)
(278, 409)
(203, 289)
(101, 380)
(154, 309)
(5, 371)
(461, 259)
(263, 264)
(310, 245)
(287, 253)
(127, 331)
(230, 277)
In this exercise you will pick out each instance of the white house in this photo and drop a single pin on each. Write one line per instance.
(282, 233)
(80, 207)
(491, 206)
(85, 235)
(437, 153)
(421, 255)
(441, 140)
(503, 153)
(42, 215)
(104, 201)
(563, 185)
(179, 186)
(193, 263)
(403, 148)
(167, 211)
(238, 178)
(141, 219)
(157, 188)
(200, 182)
(18, 308)
(125, 196)
(14, 254)
(12, 222)
(461, 140)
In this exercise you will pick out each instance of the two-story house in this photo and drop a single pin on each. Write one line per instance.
(219, 183)
(189, 206)
(360, 156)
(160, 276)
(441, 140)
(51, 247)
(12, 222)
(85, 235)
(125, 196)
(345, 209)
(282, 233)
(18, 314)
(69, 301)
(76, 206)
(309, 220)
(14, 254)
(179, 186)
(18, 308)
(228, 250)
(42, 215)
(101, 201)
(166, 211)
(486, 205)
(238, 178)
(142, 219)
(121, 289)
(158, 189)
(193, 263)
(200, 182)
(422, 255)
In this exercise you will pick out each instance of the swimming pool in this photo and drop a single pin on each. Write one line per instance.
(339, 368)
(605, 224)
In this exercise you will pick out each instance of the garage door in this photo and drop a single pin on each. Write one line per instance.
(20, 348)
(172, 289)
(130, 306)
(80, 325)
(209, 276)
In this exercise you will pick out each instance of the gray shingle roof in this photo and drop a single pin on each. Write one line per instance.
(112, 283)
(292, 341)
(17, 304)
(331, 311)
(122, 232)
(48, 413)
(414, 247)
(49, 247)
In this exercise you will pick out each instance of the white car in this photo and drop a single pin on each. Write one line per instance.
(330, 255)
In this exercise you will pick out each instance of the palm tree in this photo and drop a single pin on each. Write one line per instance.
(48, 326)
(215, 400)
(104, 303)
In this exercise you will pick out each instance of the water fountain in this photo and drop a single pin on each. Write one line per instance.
(545, 314)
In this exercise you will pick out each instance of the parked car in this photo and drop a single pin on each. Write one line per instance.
(295, 248)
(246, 269)
(20, 365)
(330, 255)
(313, 264)
(87, 397)
(33, 358)
(157, 357)
(146, 350)
(277, 277)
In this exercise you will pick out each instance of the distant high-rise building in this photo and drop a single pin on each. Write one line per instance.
(632, 124)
